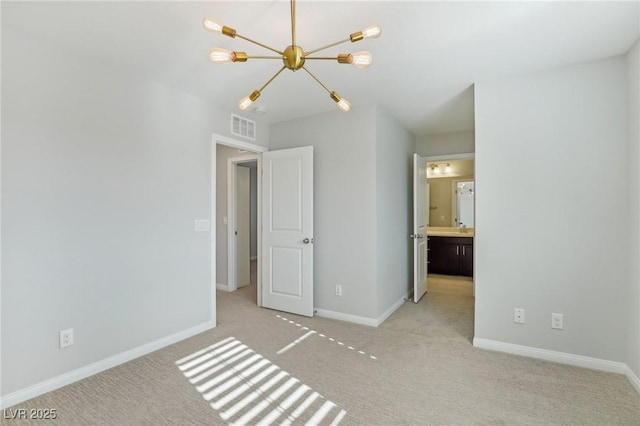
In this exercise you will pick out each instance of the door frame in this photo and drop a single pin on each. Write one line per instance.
(235, 143)
(232, 163)
(464, 156)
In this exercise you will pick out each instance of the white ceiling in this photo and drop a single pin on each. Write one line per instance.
(425, 62)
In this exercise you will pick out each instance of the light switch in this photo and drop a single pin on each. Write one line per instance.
(202, 225)
(225, 221)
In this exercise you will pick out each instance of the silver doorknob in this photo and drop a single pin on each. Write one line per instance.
(307, 240)
(420, 236)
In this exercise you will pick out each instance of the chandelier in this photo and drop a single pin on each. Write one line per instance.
(293, 56)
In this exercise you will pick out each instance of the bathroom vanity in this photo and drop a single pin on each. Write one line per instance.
(450, 251)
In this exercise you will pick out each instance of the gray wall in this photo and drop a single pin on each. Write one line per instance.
(361, 207)
(394, 214)
(445, 144)
(344, 204)
(223, 153)
(557, 131)
(103, 175)
(633, 73)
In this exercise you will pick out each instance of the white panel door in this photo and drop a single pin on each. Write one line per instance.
(287, 235)
(420, 221)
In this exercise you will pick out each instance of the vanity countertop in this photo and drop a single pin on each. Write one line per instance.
(445, 231)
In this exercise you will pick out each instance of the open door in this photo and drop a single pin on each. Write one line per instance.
(287, 234)
(420, 221)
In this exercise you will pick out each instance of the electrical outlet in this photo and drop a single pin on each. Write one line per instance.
(518, 315)
(557, 321)
(338, 290)
(66, 338)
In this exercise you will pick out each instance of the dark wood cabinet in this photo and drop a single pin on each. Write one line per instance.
(451, 256)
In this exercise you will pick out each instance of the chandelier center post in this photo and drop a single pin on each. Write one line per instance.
(293, 58)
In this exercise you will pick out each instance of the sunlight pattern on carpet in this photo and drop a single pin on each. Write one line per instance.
(312, 332)
(246, 388)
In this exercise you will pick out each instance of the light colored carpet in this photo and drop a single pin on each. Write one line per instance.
(425, 371)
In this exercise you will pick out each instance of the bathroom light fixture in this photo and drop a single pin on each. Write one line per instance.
(436, 169)
(293, 56)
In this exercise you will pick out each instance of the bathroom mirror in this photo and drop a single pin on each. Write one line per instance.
(451, 193)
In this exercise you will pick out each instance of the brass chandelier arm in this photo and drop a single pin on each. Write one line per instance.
(271, 79)
(259, 44)
(293, 22)
(263, 57)
(316, 79)
(342, 58)
(311, 52)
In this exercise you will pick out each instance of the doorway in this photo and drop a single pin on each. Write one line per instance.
(243, 226)
(233, 161)
(451, 207)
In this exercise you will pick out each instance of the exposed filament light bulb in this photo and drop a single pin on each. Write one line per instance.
(212, 25)
(358, 59)
(247, 101)
(219, 55)
(361, 59)
(372, 31)
(343, 104)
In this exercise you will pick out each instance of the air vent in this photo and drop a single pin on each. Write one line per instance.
(243, 127)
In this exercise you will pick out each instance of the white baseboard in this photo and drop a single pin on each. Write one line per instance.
(97, 367)
(561, 357)
(222, 287)
(356, 319)
(633, 379)
(386, 314)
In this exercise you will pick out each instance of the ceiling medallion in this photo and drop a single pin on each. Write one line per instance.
(293, 56)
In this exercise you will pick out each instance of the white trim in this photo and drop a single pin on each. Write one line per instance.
(97, 367)
(562, 358)
(225, 140)
(232, 163)
(463, 156)
(547, 355)
(235, 143)
(356, 319)
(633, 379)
(398, 303)
(222, 287)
